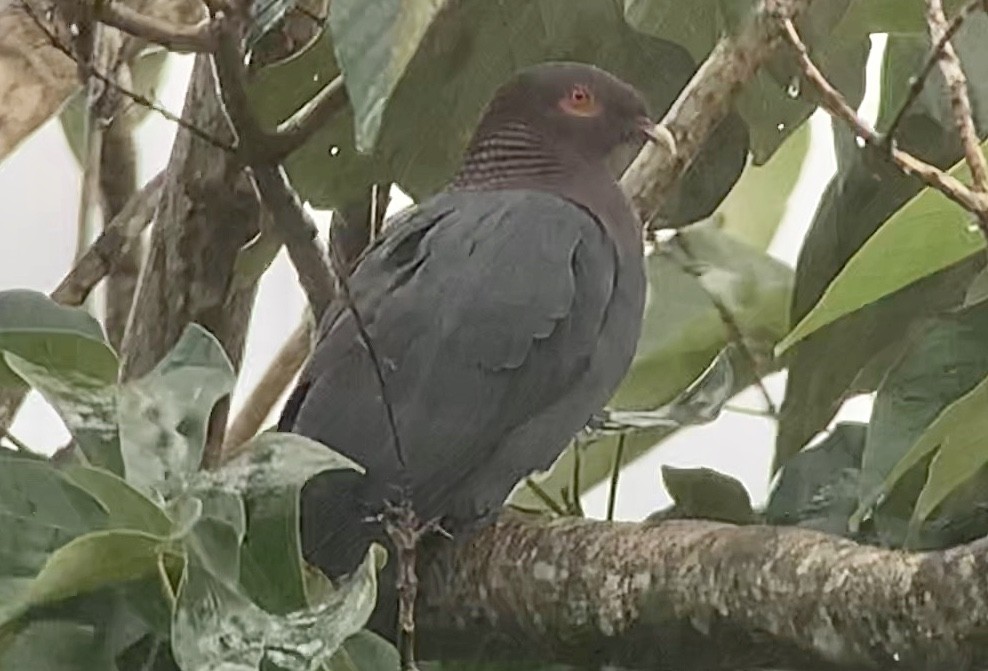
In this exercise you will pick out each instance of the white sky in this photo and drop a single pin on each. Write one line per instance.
(39, 187)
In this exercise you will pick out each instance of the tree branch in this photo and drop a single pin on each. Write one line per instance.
(960, 102)
(930, 175)
(312, 116)
(702, 595)
(182, 39)
(282, 370)
(704, 102)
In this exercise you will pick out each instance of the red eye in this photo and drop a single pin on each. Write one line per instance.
(579, 102)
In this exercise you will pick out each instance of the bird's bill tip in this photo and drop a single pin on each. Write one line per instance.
(647, 127)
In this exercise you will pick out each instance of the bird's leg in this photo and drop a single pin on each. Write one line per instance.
(406, 530)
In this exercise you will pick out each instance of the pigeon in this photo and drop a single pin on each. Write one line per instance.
(486, 326)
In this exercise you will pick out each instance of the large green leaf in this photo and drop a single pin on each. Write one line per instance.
(127, 508)
(63, 340)
(87, 405)
(863, 195)
(92, 561)
(891, 16)
(268, 476)
(682, 333)
(375, 41)
(165, 414)
(40, 511)
(216, 626)
(919, 240)
(944, 362)
(755, 207)
(57, 645)
(467, 51)
(818, 488)
(775, 103)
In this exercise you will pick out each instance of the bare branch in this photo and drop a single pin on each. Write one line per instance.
(919, 81)
(280, 373)
(701, 595)
(200, 38)
(835, 104)
(314, 115)
(960, 102)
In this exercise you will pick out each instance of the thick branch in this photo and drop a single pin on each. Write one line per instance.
(703, 595)
(960, 102)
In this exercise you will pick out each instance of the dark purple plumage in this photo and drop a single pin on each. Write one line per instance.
(505, 311)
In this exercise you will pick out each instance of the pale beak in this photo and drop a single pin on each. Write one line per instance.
(647, 127)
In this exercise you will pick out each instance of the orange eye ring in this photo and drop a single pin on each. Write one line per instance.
(580, 101)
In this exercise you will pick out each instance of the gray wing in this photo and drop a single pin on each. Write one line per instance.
(485, 310)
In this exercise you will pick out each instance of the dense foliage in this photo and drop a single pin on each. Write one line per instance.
(128, 556)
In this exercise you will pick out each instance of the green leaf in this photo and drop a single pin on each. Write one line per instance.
(466, 53)
(892, 16)
(374, 44)
(945, 360)
(40, 511)
(753, 210)
(63, 340)
(818, 488)
(703, 493)
(92, 561)
(366, 651)
(682, 333)
(57, 645)
(216, 626)
(269, 475)
(920, 239)
(165, 414)
(959, 433)
(127, 507)
(87, 405)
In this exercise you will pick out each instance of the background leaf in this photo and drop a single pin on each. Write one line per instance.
(60, 339)
(40, 510)
(165, 414)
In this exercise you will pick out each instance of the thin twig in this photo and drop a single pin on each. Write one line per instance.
(919, 81)
(543, 496)
(115, 241)
(315, 114)
(960, 102)
(200, 38)
(139, 99)
(273, 383)
(835, 104)
(20, 445)
(615, 474)
(734, 332)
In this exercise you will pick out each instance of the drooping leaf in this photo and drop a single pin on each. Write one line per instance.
(57, 645)
(703, 493)
(40, 511)
(919, 240)
(753, 210)
(216, 626)
(818, 488)
(92, 561)
(62, 340)
(165, 414)
(87, 406)
(892, 16)
(268, 476)
(127, 508)
(945, 360)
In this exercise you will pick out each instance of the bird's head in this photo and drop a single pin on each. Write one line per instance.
(577, 111)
